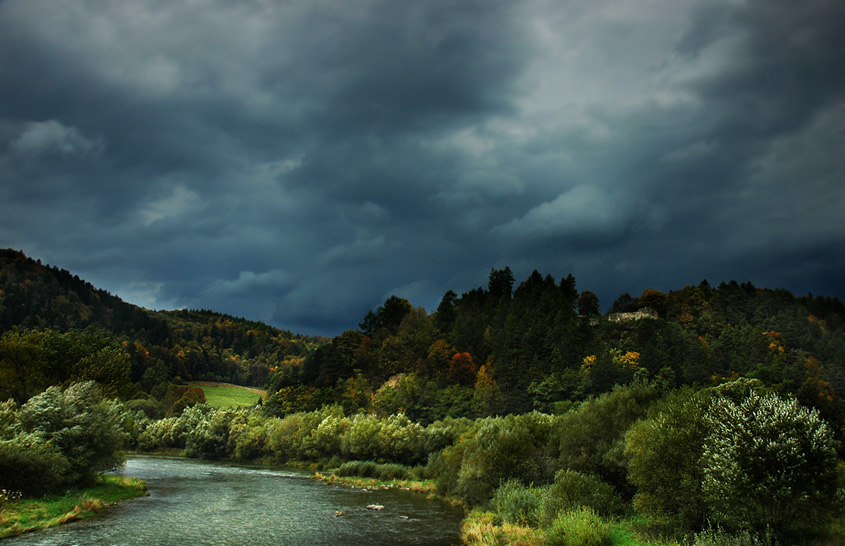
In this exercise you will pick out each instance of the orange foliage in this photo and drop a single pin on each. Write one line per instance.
(462, 369)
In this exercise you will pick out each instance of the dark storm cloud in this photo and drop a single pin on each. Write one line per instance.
(299, 162)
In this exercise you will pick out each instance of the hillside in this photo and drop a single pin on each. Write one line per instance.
(505, 348)
(163, 346)
(543, 345)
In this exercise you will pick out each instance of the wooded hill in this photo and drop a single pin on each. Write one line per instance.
(543, 345)
(162, 345)
(504, 348)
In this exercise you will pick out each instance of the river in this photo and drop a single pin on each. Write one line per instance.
(193, 503)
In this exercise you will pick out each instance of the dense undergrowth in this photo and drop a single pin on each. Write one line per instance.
(732, 463)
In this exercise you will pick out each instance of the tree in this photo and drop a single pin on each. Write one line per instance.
(86, 427)
(445, 315)
(500, 284)
(588, 304)
(486, 398)
(663, 454)
(387, 318)
(32, 361)
(769, 464)
(462, 369)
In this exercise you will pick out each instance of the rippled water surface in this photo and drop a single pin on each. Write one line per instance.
(195, 503)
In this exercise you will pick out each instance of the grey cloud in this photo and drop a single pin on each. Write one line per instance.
(300, 162)
(52, 137)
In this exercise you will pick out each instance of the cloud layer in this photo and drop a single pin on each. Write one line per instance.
(298, 162)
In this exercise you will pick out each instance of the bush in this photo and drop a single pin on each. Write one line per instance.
(361, 440)
(572, 490)
(211, 438)
(578, 527)
(591, 438)
(86, 428)
(325, 439)
(151, 407)
(9, 421)
(284, 436)
(31, 466)
(362, 469)
(504, 448)
(247, 437)
(769, 464)
(663, 461)
(517, 504)
(719, 537)
(370, 469)
(441, 434)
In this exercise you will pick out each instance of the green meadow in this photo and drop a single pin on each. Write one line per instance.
(226, 395)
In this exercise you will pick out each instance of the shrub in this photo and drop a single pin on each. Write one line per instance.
(504, 448)
(361, 440)
(516, 503)
(247, 437)
(573, 489)
(86, 428)
(401, 440)
(151, 407)
(719, 537)
(32, 466)
(578, 527)
(663, 461)
(441, 434)
(211, 438)
(370, 469)
(179, 397)
(158, 434)
(9, 421)
(189, 425)
(363, 469)
(769, 464)
(284, 436)
(591, 438)
(325, 439)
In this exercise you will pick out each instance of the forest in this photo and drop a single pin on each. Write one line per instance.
(710, 414)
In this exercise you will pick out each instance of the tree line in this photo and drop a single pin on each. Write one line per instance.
(721, 407)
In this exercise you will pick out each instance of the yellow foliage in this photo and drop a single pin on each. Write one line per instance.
(630, 359)
(587, 364)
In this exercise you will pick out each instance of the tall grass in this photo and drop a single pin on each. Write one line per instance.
(581, 526)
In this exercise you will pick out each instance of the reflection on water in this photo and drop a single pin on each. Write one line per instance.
(194, 503)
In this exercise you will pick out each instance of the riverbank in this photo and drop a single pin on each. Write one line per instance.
(426, 487)
(34, 514)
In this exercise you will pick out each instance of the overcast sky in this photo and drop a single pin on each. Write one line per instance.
(297, 162)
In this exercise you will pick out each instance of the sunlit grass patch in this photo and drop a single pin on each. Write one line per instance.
(480, 528)
(225, 395)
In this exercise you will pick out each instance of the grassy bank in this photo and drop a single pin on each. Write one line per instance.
(426, 487)
(33, 514)
(484, 528)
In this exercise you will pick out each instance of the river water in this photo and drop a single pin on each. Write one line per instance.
(193, 503)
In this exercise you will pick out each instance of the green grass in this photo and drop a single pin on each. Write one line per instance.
(225, 395)
(51, 510)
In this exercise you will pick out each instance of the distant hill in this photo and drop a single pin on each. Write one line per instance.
(163, 345)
